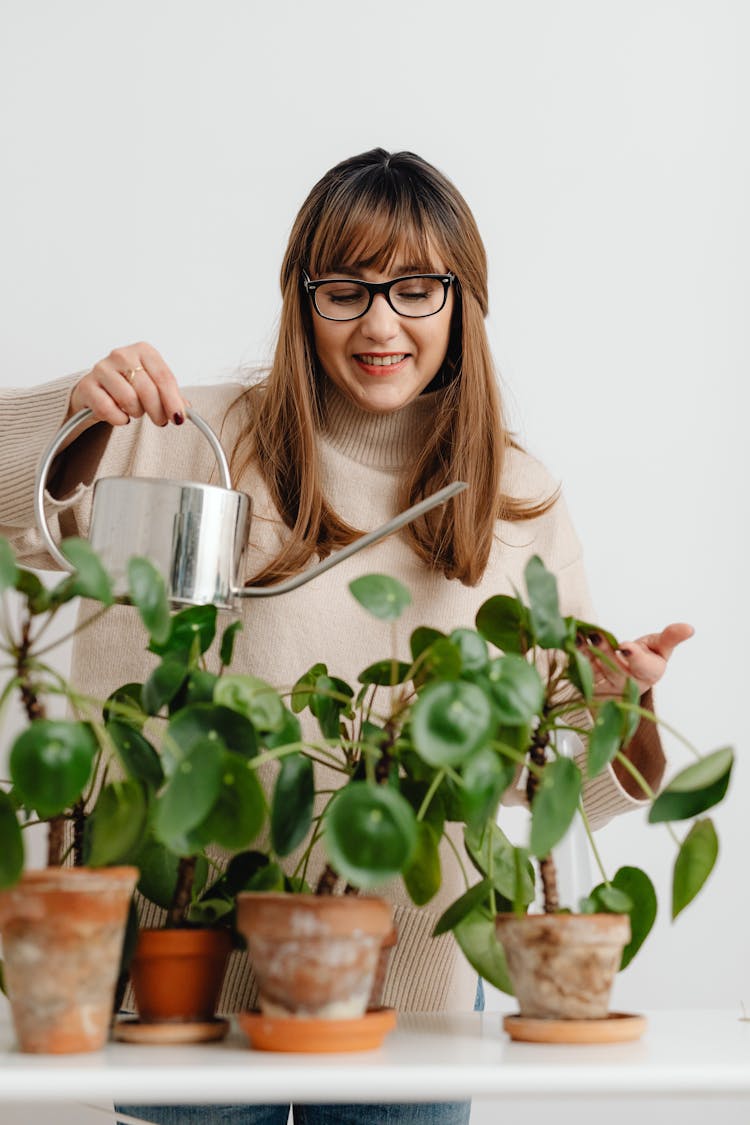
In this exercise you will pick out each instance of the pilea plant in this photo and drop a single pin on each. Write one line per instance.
(464, 714)
(53, 762)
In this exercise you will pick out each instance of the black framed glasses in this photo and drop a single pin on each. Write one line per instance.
(341, 298)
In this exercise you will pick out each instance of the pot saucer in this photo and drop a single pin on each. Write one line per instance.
(617, 1027)
(136, 1031)
(271, 1033)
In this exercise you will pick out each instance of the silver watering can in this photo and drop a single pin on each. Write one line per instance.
(195, 534)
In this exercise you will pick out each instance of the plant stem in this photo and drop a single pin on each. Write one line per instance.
(592, 845)
(434, 785)
(547, 869)
(182, 891)
(327, 881)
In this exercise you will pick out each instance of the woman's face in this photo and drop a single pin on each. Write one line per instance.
(382, 361)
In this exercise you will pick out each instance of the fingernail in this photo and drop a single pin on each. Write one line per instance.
(178, 418)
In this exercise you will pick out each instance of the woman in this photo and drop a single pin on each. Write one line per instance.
(382, 390)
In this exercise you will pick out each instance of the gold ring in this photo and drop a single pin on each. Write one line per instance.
(130, 375)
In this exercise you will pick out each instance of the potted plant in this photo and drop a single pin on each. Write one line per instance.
(559, 964)
(62, 926)
(461, 723)
(189, 741)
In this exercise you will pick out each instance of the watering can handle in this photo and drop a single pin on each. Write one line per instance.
(69, 428)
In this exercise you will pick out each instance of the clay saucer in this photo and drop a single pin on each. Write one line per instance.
(136, 1031)
(272, 1033)
(617, 1027)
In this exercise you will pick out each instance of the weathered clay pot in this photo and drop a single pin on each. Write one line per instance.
(62, 931)
(562, 965)
(177, 974)
(314, 956)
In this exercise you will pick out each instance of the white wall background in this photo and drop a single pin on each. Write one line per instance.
(154, 156)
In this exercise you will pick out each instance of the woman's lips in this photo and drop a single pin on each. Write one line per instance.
(381, 363)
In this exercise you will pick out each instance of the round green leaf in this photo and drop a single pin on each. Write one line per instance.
(504, 622)
(694, 863)
(387, 673)
(450, 721)
(694, 789)
(158, 867)
(228, 638)
(517, 689)
(210, 721)
(11, 841)
(302, 691)
(190, 793)
(475, 934)
(115, 827)
(640, 890)
(549, 628)
(125, 705)
(422, 874)
(370, 833)
(190, 631)
(555, 804)
(439, 661)
(476, 896)
(139, 758)
(381, 596)
(149, 595)
(422, 638)
(254, 698)
(163, 684)
(472, 647)
(50, 764)
(486, 776)
(90, 579)
(292, 806)
(494, 856)
(197, 688)
(605, 737)
(239, 811)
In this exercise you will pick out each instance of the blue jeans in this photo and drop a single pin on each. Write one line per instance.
(412, 1113)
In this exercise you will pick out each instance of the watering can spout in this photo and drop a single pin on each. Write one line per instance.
(194, 534)
(375, 536)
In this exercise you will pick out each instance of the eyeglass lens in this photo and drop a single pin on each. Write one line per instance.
(409, 296)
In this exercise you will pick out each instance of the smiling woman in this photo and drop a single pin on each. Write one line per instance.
(382, 390)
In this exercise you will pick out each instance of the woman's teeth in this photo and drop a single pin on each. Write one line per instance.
(381, 360)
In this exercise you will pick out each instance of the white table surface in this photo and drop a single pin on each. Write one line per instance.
(703, 1054)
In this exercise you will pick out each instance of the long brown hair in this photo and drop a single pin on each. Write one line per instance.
(370, 209)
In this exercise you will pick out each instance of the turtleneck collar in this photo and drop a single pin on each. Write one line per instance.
(382, 441)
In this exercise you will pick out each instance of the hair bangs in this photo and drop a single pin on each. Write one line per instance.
(387, 235)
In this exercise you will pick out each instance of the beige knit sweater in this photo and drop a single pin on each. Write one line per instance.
(361, 456)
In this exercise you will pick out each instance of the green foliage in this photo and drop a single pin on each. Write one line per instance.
(381, 596)
(370, 833)
(51, 762)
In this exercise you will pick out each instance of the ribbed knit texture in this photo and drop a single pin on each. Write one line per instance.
(361, 456)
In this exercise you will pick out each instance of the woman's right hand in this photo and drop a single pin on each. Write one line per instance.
(129, 383)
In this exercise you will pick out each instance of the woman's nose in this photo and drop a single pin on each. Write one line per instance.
(380, 322)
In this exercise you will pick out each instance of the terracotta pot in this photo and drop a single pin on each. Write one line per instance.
(177, 974)
(314, 956)
(562, 966)
(62, 931)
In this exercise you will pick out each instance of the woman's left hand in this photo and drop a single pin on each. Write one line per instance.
(643, 660)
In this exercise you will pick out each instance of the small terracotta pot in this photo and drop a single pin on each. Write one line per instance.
(562, 966)
(62, 931)
(177, 974)
(314, 956)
